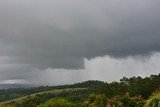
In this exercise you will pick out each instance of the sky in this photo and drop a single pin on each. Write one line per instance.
(52, 42)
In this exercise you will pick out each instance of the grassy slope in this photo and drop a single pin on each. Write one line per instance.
(32, 95)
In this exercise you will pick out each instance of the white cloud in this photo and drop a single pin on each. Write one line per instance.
(112, 69)
(100, 68)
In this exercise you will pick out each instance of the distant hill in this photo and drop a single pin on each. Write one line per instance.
(7, 86)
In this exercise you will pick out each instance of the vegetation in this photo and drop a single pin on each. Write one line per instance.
(60, 103)
(154, 100)
(7, 105)
(129, 92)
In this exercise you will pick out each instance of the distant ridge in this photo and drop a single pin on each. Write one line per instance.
(7, 86)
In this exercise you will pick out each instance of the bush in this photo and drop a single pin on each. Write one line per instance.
(126, 101)
(60, 103)
(99, 100)
(38, 99)
(7, 105)
(154, 100)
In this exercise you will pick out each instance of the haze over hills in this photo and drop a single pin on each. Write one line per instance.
(7, 86)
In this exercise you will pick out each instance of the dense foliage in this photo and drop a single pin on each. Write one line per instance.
(37, 99)
(135, 86)
(71, 95)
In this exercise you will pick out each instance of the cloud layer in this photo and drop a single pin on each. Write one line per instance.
(36, 35)
(100, 68)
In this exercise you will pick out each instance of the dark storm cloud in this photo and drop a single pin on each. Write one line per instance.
(61, 33)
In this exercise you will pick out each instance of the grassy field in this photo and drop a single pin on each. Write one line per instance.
(56, 91)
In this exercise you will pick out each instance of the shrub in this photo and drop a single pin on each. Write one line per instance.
(7, 105)
(60, 103)
(154, 100)
(126, 101)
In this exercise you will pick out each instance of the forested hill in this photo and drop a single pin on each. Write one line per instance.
(134, 86)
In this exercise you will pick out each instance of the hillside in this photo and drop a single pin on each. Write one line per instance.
(56, 91)
(131, 92)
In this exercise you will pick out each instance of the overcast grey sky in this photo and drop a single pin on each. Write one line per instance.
(67, 41)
